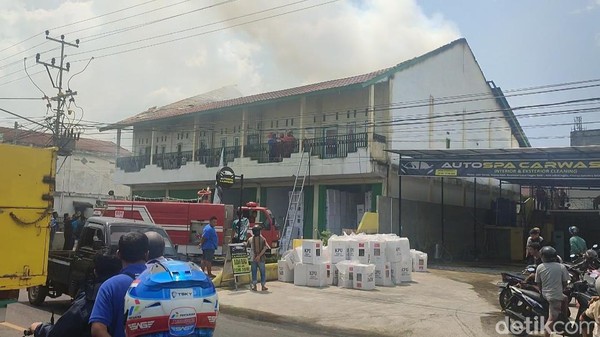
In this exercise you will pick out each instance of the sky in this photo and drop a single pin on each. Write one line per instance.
(201, 45)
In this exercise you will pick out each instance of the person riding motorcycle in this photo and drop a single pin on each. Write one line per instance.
(552, 277)
(74, 322)
(578, 245)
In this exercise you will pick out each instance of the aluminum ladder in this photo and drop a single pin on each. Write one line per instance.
(296, 199)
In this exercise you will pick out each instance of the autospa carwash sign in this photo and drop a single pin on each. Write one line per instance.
(542, 169)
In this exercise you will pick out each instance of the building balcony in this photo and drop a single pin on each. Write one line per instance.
(334, 155)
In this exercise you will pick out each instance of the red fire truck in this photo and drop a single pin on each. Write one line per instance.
(184, 221)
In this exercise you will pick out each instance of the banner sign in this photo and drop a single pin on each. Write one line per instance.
(239, 259)
(225, 177)
(515, 169)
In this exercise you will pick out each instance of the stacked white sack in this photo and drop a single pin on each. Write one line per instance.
(419, 260)
(364, 276)
(284, 273)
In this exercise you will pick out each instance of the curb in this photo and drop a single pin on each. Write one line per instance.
(299, 324)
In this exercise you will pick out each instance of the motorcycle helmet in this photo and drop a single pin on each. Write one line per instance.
(573, 230)
(548, 254)
(171, 298)
(590, 254)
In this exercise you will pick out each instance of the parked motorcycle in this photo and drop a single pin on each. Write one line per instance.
(512, 279)
(525, 306)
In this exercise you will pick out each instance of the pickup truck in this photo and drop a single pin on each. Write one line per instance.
(69, 270)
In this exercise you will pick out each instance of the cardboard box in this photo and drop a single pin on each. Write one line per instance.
(284, 273)
(377, 252)
(293, 258)
(419, 260)
(345, 274)
(364, 277)
(300, 274)
(401, 271)
(316, 275)
(383, 275)
(338, 250)
(396, 249)
(312, 252)
(332, 274)
(358, 251)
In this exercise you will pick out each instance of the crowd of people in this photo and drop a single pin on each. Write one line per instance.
(551, 276)
(72, 227)
(552, 198)
(281, 145)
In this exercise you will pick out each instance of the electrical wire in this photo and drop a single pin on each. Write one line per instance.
(84, 68)
(201, 26)
(98, 36)
(127, 17)
(40, 89)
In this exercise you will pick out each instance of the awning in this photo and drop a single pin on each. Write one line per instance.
(82, 204)
(560, 166)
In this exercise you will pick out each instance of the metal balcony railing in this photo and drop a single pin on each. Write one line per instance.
(133, 164)
(212, 157)
(172, 160)
(335, 146)
(324, 147)
(273, 152)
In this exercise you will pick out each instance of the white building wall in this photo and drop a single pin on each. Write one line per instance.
(85, 177)
(474, 122)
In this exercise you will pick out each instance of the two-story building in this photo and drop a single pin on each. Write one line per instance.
(340, 128)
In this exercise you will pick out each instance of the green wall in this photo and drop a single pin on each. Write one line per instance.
(308, 211)
(150, 193)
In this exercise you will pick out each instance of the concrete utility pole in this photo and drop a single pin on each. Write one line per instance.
(61, 97)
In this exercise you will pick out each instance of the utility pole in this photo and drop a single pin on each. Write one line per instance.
(60, 98)
(16, 133)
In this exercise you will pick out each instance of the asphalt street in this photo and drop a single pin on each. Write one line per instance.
(227, 325)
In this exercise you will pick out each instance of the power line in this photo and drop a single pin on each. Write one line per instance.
(21, 98)
(198, 34)
(126, 29)
(128, 17)
(74, 23)
(22, 117)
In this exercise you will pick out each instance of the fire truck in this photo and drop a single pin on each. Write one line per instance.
(185, 221)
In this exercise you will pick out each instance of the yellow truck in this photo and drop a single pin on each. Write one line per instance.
(27, 178)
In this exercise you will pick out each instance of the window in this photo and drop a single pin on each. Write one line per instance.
(92, 237)
(156, 149)
(292, 122)
(157, 139)
(187, 135)
(348, 114)
(366, 112)
(163, 149)
(337, 116)
(324, 117)
(286, 122)
(223, 142)
(236, 141)
(272, 124)
(354, 113)
(314, 119)
(277, 123)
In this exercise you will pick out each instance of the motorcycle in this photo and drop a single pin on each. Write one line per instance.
(525, 306)
(511, 279)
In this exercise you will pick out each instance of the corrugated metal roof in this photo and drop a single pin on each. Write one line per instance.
(171, 111)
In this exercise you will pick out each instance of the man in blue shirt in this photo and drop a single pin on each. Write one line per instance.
(209, 243)
(107, 318)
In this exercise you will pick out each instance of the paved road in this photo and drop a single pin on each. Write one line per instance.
(227, 325)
